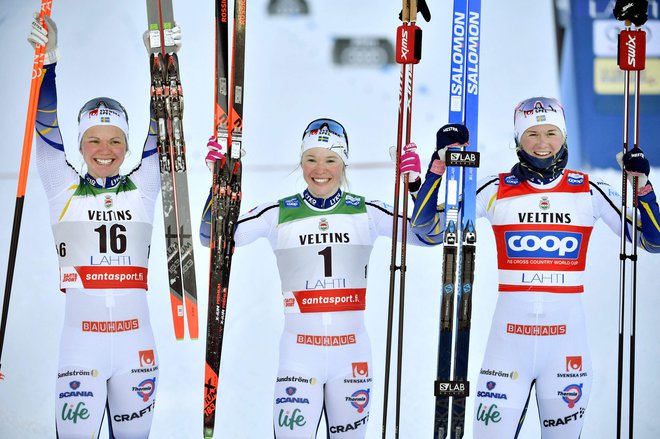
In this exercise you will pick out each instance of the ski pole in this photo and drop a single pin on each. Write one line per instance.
(408, 52)
(28, 136)
(631, 57)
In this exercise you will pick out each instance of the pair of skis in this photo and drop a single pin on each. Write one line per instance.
(460, 237)
(226, 191)
(167, 108)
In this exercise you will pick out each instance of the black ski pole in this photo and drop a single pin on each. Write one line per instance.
(632, 46)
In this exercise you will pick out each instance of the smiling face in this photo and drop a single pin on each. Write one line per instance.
(103, 148)
(542, 141)
(323, 171)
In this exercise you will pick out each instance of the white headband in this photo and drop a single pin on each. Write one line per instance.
(102, 116)
(535, 113)
(324, 138)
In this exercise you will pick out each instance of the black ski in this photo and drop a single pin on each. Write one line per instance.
(167, 105)
(226, 193)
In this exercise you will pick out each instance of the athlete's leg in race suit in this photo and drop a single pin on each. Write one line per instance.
(322, 372)
(535, 339)
(107, 356)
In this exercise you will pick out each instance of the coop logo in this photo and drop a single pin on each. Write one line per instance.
(532, 244)
(575, 179)
(511, 180)
(291, 203)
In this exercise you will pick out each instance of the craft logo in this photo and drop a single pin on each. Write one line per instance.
(146, 388)
(323, 224)
(574, 364)
(360, 370)
(147, 358)
(544, 204)
(565, 420)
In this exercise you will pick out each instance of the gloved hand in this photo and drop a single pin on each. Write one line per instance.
(45, 37)
(216, 153)
(633, 10)
(175, 34)
(450, 135)
(635, 163)
(422, 8)
(410, 163)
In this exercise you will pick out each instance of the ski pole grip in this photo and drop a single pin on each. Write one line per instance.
(632, 50)
(408, 44)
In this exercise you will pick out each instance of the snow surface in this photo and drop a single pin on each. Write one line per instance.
(289, 81)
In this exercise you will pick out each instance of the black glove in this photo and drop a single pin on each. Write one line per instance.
(633, 10)
(421, 7)
(450, 134)
(635, 163)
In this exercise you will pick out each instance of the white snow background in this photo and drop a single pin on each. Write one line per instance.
(289, 81)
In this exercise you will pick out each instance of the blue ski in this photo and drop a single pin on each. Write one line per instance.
(460, 235)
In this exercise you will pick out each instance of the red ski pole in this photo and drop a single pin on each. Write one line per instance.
(35, 84)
